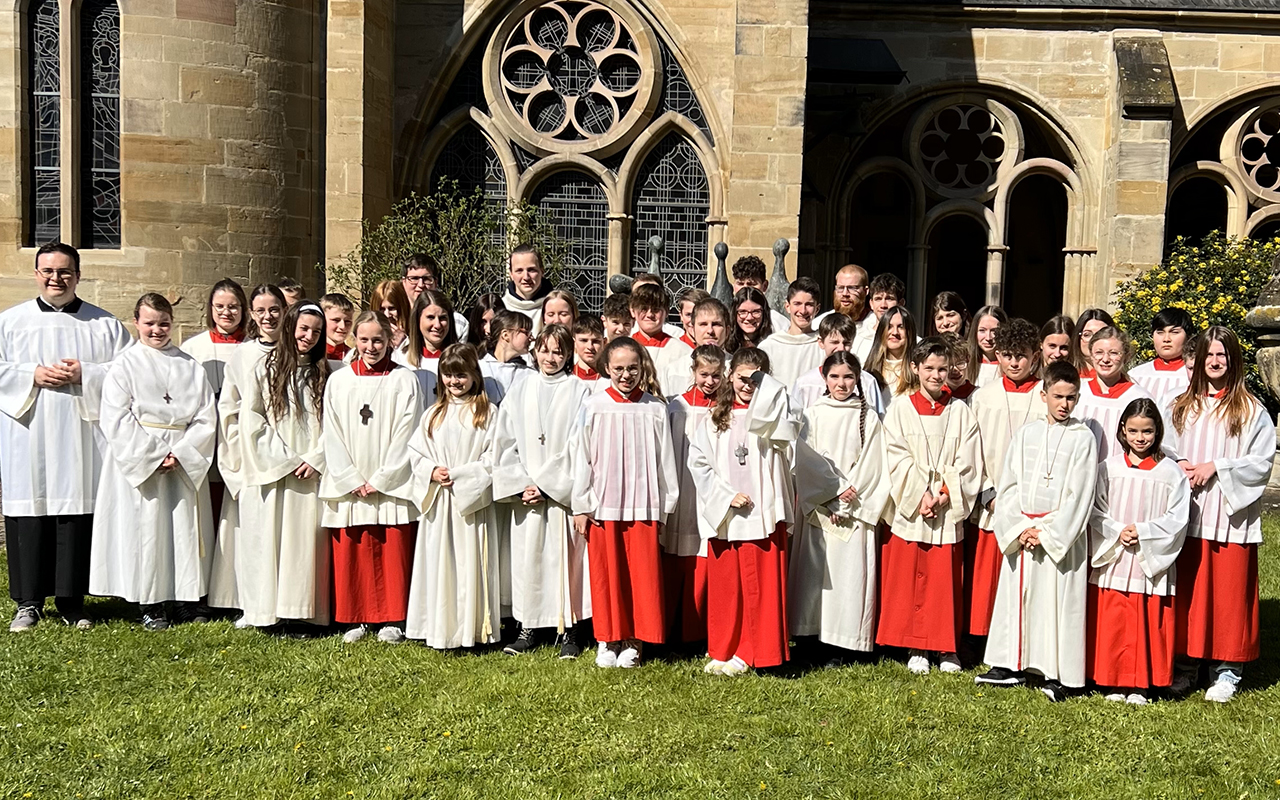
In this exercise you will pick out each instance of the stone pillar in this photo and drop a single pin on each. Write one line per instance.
(619, 237)
(1264, 317)
(917, 271)
(359, 144)
(995, 273)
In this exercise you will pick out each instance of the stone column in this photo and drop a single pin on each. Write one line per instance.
(1264, 317)
(995, 273)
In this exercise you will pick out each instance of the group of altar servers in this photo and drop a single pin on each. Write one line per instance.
(744, 479)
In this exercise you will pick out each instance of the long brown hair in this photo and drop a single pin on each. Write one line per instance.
(288, 371)
(975, 364)
(392, 291)
(722, 414)
(1060, 325)
(418, 342)
(736, 338)
(460, 359)
(648, 374)
(1237, 406)
(880, 350)
(246, 321)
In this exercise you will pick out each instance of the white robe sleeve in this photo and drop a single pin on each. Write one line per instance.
(341, 477)
(1062, 527)
(714, 493)
(1242, 479)
(473, 481)
(195, 449)
(1009, 521)
(1160, 539)
(963, 476)
(819, 480)
(1105, 529)
(230, 455)
(267, 458)
(907, 480)
(424, 458)
(17, 385)
(394, 476)
(93, 377)
(868, 479)
(668, 476)
(584, 499)
(770, 416)
(510, 478)
(135, 451)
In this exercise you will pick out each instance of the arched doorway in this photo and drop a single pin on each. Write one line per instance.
(957, 262)
(1196, 207)
(1034, 265)
(880, 224)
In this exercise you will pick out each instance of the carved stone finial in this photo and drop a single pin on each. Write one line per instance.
(1264, 317)
(620, 284)
(655, 254)
(778, 283)
(722, 289)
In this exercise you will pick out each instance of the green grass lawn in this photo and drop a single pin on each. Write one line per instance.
(209, 711)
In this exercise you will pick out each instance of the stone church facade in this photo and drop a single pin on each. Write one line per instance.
(1030, 153)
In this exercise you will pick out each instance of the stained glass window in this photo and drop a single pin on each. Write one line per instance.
(575, 202)
(100, 159)
(44, 124)
(672, 199)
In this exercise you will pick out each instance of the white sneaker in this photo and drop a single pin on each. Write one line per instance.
(391, 634)
(355, 634)
(606, 656)
(1115, 697)
(735, 667)
(1136, 699)
(714, 667)
(1220, 692)
(918, 662)
(949, 662)
(243, 623)
(630, 655)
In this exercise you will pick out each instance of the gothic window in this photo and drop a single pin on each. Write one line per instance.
(469, 159)
(575, 202)
(672, 199)
(44, 124)
(100, 124)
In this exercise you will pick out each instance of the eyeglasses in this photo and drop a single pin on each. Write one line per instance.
(850, 289)
(60, 274)
(757, 314)
(417, 278)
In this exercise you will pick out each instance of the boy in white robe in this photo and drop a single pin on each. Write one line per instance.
(649, 306)
(528, 286)
(709, 325)
(153, 533)
(1042, 509)
(588, 340)
(549, 588)
(836, 332)
(54, 355)
(1166, 376)
(339, 314)
(795, 351)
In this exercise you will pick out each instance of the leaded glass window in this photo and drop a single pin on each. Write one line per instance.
(44, 124)
(672, 199)
(470, 159)
(100, 116)
(575, 202)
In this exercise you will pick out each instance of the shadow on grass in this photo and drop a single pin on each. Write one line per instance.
(1265, 672)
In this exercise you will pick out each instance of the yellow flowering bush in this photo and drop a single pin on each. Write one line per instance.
(1217, 281)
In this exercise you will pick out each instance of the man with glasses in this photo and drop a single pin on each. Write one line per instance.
(54, 355)
(420, 273)
(850, 298)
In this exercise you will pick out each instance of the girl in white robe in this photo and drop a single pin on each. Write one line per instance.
(454, 597)
(1140, 512)
(282, 562)
(369, 499)
(835, 332)
(266, 308)
(684, 550)
(153, 530)
(431, 330)
(508, 345)
(831, 586)
(741, 469)
(1225, 441)
(1105, 396)
(985, 367)
(895, 339)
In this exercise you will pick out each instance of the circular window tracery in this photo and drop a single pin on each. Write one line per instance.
(1260, 152)
(962, 147)
(572, 75)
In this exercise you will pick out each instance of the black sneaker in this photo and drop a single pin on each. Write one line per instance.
(999, 676)
(569, 647)
(154, 619)
(191, 612)
(523, 643)
(1055, 691)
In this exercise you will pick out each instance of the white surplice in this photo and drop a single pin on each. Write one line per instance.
(927, 452)
(862, 340)
(549, 579)
(1102, 413)
(368, 422)
(792, 355)
(1000, 413)
(237, 378)
(667, 362)
(623, 461)
(530, 308)
(212, 355)
(153, 531)
(1157, 502)
(499, 377)
(831, 581)
(454, 596)
(682, 535)
(51, 453)
(1038, 618)
(282, 554)
(988, 372)
(1229, 508)
(811, 385)
(1163, 384)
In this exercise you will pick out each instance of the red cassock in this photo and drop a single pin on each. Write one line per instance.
(371, 569)
(747, 600)
(920, 600)
(1217, 600)
(1130, 638)
(982, 563)
(684, 579)
(626, 581)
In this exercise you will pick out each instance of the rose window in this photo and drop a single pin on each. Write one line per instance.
(962, 147)
(1260, 151)
(575, 75)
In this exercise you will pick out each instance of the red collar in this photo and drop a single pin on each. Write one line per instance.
(235, 337)
(926, 407)
(740, 406)
(1019, 388)
(381, 368)
(585, 374)
(1217, 395)
(1146, 463)
(1160, 365)
(1118, 390)
(336, 352)
(986, 360)
(684, 337)
(429, 353)
(697, 399)
(1087, 373)
(631, 398)
(644, 340)
(963, 391)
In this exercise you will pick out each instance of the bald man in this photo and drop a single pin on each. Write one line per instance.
(850, 298)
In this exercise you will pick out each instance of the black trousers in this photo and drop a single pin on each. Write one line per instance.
(49, 556)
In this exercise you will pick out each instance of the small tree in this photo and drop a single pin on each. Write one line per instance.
(467, 234)
(1216, 281)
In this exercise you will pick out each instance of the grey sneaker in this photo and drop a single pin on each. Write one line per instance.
(80, 621)
(25, 619)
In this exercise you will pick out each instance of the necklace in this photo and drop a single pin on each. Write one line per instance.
(930, 460)
(1008, 415)
(741, 450)
(1048, 467)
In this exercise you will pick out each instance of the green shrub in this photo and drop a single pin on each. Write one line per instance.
(1217, 281)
